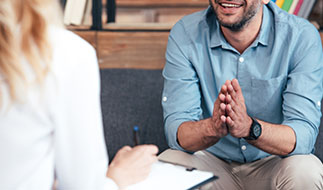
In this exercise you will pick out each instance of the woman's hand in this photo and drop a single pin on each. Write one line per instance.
(132, 165)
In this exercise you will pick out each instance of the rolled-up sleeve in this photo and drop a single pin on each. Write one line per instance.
(303, 94)
(181, 97)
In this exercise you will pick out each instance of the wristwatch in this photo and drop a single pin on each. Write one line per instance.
(255, 130)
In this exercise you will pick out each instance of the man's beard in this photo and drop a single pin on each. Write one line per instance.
(243, 21)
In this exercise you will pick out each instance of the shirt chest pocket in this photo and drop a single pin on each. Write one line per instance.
(267, 98)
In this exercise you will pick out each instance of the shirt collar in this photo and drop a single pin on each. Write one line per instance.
(265, 30)
(217, 38)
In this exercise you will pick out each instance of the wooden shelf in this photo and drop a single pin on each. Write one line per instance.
(138, 45)
(78, 27)
(138, 26)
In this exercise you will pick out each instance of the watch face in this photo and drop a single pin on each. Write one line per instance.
(257, 130)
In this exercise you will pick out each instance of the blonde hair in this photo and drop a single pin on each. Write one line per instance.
(24, 33)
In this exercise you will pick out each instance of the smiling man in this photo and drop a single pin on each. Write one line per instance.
(242, 96)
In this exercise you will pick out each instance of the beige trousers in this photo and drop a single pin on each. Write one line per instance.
(298, 172)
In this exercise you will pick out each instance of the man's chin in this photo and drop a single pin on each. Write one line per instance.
(235, 26)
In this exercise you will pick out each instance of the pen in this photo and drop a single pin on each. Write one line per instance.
(187, 168)
(136, 138)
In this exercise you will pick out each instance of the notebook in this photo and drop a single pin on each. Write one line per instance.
(170, 176)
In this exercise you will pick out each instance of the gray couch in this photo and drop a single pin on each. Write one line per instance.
(132, 97)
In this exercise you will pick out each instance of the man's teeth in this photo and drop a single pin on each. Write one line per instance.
(229, 5)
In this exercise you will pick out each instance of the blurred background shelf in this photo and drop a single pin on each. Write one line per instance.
(134, 33)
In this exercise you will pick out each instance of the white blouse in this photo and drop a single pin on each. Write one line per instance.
(57, 130)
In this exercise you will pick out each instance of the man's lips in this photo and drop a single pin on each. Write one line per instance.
(230, 5)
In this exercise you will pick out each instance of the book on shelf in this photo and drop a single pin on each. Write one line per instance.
(301, 8)
(78, 12)
(87, 17)
(280, 3)
(287, 4)
(293, 6)
(298, 7)
(306, 8)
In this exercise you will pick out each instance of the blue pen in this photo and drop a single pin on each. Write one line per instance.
(136, 138)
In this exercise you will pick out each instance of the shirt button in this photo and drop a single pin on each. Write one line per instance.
(164, 99)
(319, 103)
(243, 147)
(241, 59)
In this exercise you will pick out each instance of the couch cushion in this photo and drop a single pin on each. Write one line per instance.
(132, 97)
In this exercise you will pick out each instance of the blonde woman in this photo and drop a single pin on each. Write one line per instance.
(50, 118)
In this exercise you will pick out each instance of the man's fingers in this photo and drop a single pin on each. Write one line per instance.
(236, 85)
(230, 112)
(223, 119)
(222, 97)
(228, 108)
(228, 99)
(222, 107)
(232, 93)
(232, 105)
(229, 121)
(224, 89)
(230, 88)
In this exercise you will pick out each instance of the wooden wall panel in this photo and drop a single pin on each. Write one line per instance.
(139, 50)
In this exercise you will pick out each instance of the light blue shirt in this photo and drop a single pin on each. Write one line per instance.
(281, 76)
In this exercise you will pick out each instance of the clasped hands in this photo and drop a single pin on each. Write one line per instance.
(230, 112)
